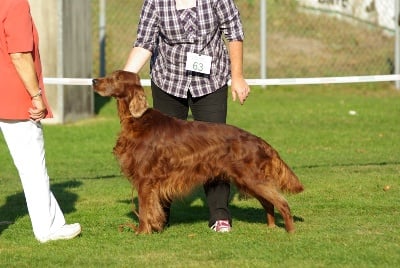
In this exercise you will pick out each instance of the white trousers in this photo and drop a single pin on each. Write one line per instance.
(26, 144)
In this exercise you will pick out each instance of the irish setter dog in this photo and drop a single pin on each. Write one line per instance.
(164, 157)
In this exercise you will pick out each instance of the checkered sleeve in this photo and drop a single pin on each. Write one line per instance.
(229, 17)
(147, 32)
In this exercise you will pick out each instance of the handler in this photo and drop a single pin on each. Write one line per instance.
(190, 68)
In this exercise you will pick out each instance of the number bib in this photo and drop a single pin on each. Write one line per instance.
(198, 63)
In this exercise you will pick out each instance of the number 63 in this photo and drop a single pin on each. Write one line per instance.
(198, 66)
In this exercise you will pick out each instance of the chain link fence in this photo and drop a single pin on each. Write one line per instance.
(302, 41)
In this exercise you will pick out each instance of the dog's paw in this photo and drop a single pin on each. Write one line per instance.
(127, 226)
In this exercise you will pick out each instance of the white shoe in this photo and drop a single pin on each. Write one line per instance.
(221, 226)
(67, 231)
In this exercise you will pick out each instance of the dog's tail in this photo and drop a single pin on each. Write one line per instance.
(287, 180)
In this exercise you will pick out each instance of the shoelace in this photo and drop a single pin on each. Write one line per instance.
(221, 226)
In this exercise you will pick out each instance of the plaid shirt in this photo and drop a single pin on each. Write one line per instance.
(164, 32)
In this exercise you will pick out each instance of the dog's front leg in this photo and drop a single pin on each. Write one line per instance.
(151, 213)
(144, 211)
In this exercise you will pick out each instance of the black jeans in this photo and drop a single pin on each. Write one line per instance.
(208, 108)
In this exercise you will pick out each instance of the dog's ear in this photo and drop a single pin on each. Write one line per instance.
(138, 104)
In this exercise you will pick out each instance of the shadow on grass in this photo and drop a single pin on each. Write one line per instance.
(386, 163)
(99, 102)
(15, 206)
(183, 210)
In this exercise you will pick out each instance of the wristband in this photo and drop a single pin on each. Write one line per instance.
(37, 94)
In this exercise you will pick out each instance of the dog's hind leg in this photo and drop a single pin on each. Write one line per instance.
(269, 198)
(275, 199)
(269, 209)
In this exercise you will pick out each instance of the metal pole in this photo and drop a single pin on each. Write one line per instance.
(102, 37)
(263, 37)
(397, 43)
(60, 61)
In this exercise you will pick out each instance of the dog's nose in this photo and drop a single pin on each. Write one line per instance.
(94, 81)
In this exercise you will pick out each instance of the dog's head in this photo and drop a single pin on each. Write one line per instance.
(125, 86)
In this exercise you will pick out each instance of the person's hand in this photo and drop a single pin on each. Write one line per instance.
(240, 89)
(38, 110)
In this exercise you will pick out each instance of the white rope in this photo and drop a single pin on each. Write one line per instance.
(257, 82)
(323, 80)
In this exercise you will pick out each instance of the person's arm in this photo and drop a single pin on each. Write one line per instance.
(137, 59)
(25, 67)
(239, 85)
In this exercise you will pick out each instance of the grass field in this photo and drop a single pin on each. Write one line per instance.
(344, 218)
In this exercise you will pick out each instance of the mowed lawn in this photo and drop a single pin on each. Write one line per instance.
(343, 141)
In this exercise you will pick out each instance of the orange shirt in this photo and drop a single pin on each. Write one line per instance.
(17, 34)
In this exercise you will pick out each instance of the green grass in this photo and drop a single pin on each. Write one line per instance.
(343, 219)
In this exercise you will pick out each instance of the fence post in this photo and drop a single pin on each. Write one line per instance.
(102, 37)
(397, 42)
(263, 39)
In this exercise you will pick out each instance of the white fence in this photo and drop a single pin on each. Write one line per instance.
(378, 12)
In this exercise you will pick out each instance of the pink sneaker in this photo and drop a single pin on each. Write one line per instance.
(221, 226)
